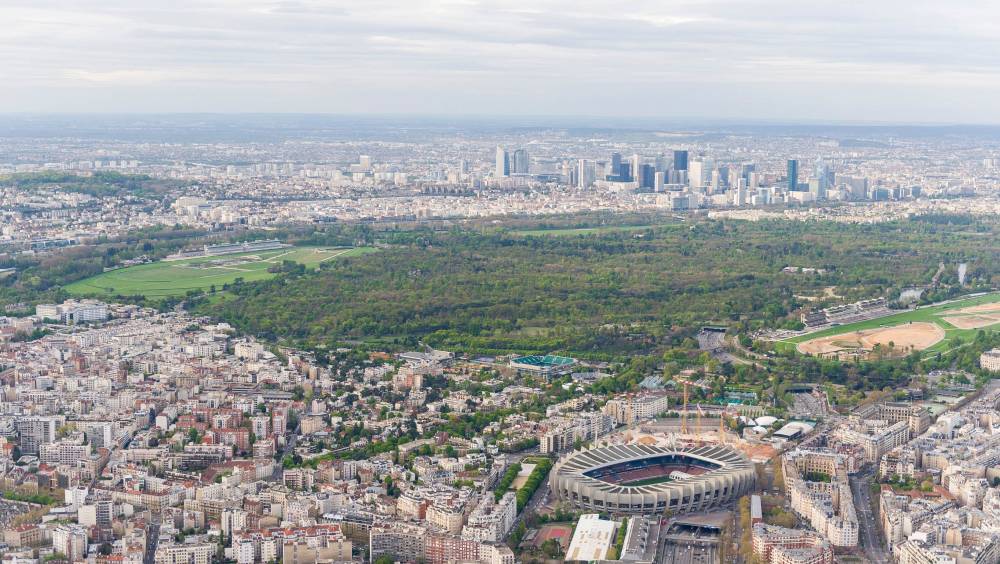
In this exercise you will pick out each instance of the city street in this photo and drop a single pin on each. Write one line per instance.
(868, 534)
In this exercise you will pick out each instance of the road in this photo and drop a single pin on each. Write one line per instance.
(539, 498)
(289, 448)
(714, 342)
(153, 539)
(868, 534)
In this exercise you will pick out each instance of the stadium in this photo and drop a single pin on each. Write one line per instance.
(548, 365)
(640, 479)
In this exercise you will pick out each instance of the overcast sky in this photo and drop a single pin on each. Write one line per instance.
(878, 60)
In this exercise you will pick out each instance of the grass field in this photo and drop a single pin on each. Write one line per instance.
(582, 230)
(943, 316)
(175, 278)
(646, 481)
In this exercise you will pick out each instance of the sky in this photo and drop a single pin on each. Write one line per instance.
(909, 61)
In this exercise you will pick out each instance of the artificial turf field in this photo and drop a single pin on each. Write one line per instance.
(176, 278)
(930, 314)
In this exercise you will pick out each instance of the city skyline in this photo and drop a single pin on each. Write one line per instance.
(887, 62)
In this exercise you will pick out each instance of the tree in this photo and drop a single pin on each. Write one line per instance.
(553, 549)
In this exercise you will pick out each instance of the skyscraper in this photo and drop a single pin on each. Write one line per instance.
(521, 162)
(635, 169)
(503, 163)
(585, 173)
(646, 176)
(793, 175)
(615, 168)
(680, 160)
(696, 175)
(823, 174)
(818, 188)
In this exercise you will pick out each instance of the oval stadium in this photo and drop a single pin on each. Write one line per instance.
(640, 479)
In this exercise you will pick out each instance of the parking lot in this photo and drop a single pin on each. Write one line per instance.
(807, 406)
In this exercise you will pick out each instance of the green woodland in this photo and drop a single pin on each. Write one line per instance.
(605, 294)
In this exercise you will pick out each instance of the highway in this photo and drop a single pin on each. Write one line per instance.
(868, 534)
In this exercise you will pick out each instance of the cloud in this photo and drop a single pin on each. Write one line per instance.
(509, 56)
(124, 76)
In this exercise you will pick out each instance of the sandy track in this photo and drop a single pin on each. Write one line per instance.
(981, 308)
(916, 336)
(972, 321)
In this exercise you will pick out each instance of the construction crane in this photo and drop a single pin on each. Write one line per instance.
(722, 424)
(687, 384)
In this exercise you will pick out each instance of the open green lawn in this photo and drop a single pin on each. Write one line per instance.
(930, 314)
(175, 278)
(582, 230)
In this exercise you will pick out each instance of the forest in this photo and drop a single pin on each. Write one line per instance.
(600, 295)
(98, 184)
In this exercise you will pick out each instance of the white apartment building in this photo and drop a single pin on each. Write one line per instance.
(70, 540)
(778, 545)
(827, 505)
(636, 407)
(990, 360)
(72, 312)
(491, 521)
(62, 452)
(36, 431)
(185, 553)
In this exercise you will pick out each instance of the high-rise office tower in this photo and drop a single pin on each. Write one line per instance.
(520, 165)
(624, 172)
(646, 176)
(661, 163)
(635, 167)
(503, 163)
(824, 174)
(696, 174)
(746, 169)
(615, 166)
(680, 160)
(740, 195)
(793, 175)
(585, 173)
(818, 188)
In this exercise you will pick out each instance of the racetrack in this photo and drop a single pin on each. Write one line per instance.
(904, 338)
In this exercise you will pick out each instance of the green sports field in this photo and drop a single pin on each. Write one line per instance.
(647, 481)
(176, 278)
(930, 314)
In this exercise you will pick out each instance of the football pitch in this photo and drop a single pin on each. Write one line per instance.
(932, 328)
(176, 278)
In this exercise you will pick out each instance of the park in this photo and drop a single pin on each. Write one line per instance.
(200, 274)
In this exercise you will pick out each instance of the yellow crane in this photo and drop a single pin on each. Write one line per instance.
(687, 384)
